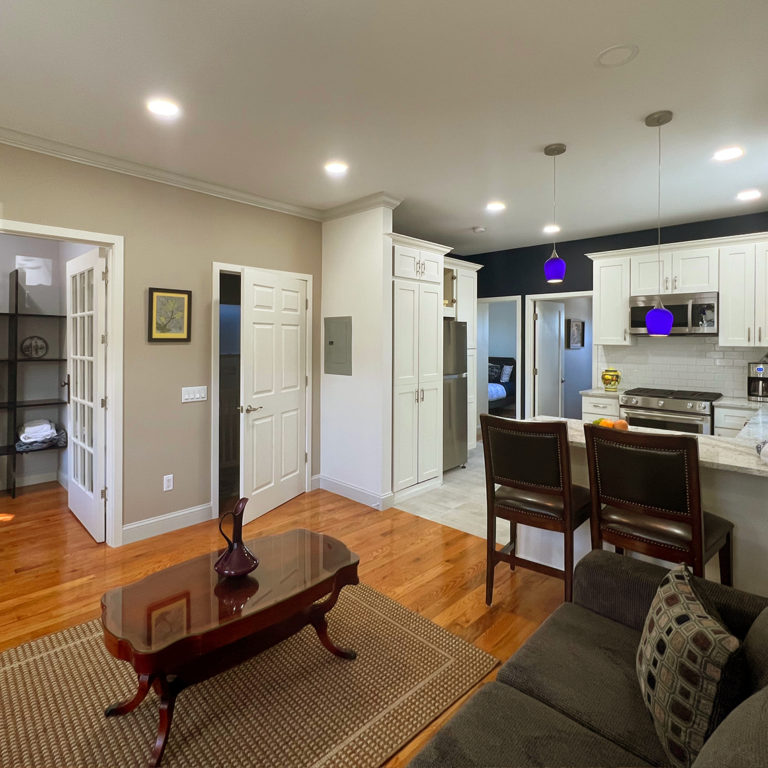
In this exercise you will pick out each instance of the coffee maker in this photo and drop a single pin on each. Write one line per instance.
(757, 381)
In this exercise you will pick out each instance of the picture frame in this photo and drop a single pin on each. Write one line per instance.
(574, 334)
(168, 620)
(170, 314)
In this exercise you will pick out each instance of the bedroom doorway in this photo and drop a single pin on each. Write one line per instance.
(498, 350)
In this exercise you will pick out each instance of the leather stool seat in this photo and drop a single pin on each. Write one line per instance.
(545, 505)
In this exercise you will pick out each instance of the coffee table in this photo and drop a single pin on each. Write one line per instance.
(185, 623)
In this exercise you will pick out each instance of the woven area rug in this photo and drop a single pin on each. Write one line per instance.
(294, 705)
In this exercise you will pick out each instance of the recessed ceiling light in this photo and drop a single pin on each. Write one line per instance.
(728, 153)
(164, 108)
(336, 168)
(617, 56)
(478, 230)
(749, 194)
(495, 206)
(551, 229)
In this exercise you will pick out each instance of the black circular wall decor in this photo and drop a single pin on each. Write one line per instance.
(34, 347)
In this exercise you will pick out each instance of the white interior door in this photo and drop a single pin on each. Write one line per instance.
(86, 316)
(273, 389)
(548, 358)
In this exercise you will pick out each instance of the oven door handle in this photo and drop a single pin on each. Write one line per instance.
(666, 415)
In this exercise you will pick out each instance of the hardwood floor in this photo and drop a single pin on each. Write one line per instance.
(52, 574)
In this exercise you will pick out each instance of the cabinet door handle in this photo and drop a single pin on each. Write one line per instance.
(625, 334)
(760, 334)
(749, 333)
(422, 395)
(674, 283)
(666, 283)
(595, 405)
(417, 395)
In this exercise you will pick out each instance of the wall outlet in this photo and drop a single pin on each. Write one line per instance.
(167, 482)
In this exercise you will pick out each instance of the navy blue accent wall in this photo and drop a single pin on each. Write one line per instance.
(520, 271)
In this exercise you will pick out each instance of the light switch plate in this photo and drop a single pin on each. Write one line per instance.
(193, 394)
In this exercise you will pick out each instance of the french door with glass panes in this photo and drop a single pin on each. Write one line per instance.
(86, 310)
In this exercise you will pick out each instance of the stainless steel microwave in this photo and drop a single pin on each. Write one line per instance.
(692, 313)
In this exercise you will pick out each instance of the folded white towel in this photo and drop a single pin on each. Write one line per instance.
(38, 429)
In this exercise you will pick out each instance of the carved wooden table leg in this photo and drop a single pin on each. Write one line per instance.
(318, 621)
(125, 707)
(167, 692)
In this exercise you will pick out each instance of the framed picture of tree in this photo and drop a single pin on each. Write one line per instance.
(169, 315)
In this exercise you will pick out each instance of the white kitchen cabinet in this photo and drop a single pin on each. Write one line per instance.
(417, 264)
(761, 294)
(695, 270)
(737, 296)
(417, 368)
(471, 398)
(599, 408)
(610, 305)
(649, 274)
(688, 270)
(466, 303)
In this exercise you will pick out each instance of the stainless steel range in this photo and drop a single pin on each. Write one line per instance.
(676, 409)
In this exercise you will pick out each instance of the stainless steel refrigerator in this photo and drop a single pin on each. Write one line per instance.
(454, 394)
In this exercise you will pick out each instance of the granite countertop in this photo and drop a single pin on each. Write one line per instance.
(732, 454)
(600, 392)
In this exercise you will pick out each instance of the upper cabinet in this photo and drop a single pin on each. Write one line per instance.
(689, 270)
(610, 303)
(743, 295)
(417, 264)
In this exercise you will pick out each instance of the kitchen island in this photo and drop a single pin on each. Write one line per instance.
(734, 485)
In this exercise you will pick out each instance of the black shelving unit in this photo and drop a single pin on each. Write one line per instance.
(15, 402)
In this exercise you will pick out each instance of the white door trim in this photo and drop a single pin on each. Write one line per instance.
(114, 358)
(217, 269)
(518, 341)
(530, 301)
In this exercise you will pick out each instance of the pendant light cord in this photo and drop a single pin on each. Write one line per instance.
(658, 220)
(554, 198)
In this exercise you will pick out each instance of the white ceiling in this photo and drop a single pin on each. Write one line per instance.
(444, 103)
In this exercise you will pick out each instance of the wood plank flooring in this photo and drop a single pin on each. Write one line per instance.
(52, 574)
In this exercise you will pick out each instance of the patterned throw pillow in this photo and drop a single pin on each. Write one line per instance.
(494, 372)
(506, 374)
(682, 665)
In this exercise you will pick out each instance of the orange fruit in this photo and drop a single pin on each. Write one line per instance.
(606, 423)
(620, 424)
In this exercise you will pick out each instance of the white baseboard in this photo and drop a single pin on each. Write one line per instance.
(22, 480)
(315, 483)
(63, 479)
(375, 500)
(417, 489)
(144, 529)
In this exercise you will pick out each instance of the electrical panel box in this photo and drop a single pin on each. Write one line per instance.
(337, 350)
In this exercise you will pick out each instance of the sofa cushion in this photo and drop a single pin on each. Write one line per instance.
(583, 665)
(756, 651)
(741, 739)
(689, 667)
(500, 726)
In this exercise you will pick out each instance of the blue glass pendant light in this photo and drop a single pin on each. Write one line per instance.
(554, 266)
(658, 321)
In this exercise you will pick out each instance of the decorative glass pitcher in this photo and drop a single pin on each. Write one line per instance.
(237, 560)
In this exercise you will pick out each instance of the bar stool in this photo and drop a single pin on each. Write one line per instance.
(646, 498)
(530, 463)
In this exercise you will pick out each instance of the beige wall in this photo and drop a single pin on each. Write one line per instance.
(171, 238)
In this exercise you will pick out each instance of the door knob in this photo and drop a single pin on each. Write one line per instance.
(251, 409)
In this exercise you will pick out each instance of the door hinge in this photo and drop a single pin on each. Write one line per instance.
(305, 457)
(535, 315)
(104, 494)
(103, 338)
(103, 402)
(535, 371)
(104, 275)
(306, 303)
(306, 381)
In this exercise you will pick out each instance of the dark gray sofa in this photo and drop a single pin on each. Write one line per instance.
(570, 696)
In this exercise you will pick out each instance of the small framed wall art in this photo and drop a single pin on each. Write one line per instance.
(170, 313)
(574, 334)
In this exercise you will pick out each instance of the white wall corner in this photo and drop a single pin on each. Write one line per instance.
(349, 491)
(154, 526)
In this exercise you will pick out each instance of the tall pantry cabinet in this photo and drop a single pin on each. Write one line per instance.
(417, 362)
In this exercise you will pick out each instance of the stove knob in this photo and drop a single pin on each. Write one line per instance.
(702, 406)
(690, 405)
(660, 403)
(634, 401)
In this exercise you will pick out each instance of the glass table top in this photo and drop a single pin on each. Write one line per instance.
(190, 598)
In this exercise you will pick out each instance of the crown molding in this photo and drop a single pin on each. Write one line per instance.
(376, 200)
(109, 163)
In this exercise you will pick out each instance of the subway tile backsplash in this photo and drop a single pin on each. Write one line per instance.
(680, 362)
